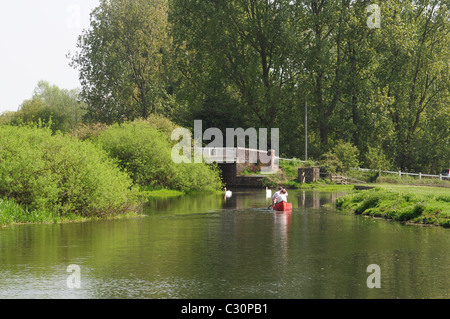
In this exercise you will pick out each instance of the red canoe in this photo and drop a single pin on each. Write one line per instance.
(282, 206)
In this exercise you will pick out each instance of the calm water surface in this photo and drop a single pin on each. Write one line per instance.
(211, 247)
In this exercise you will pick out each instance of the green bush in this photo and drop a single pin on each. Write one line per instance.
(290, 168)
(341, 158)
(330, 164)
(88, 131)
(446, 223)
(377, 160)
(443, 198)
(347, 154)
(144, 152)
(60, 174)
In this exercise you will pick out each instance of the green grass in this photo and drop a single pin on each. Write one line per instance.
(421, 190)
(411, 204)
(290, 168)
(324, 186)
(150, 192)
(12, 213)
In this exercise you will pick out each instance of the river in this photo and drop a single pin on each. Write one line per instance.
(212, 247)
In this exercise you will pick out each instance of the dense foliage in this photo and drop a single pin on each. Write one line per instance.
(144, 151)
(385, 90)
(60, 174)
(60, 109)
(253, 63)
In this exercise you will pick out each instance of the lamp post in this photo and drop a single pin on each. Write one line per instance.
(306, 131)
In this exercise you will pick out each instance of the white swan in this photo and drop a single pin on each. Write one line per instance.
(268, 193)
(227, 193)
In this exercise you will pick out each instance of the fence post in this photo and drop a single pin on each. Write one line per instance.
(400, 174)
(440, 177)
(420, 175)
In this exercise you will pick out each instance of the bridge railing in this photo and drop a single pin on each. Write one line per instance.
(239, 154)
(221, 152)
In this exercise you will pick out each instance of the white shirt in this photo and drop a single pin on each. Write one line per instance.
(282, 198)
(276, 197)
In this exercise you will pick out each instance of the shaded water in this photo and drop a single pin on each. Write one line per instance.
(211, 247)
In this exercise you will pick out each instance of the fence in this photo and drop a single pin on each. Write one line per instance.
(400, 173)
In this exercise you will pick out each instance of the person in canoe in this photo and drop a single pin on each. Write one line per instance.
(282, 203)
(279, 196)
(275, 196)
(283, 196)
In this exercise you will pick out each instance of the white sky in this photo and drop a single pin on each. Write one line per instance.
(35, 37)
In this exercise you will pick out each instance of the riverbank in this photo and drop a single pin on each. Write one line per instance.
(422, 205)
(92, 173)
(13, 214)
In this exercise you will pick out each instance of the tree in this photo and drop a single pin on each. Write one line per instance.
(414, 70)
(235, 51)
(50, 104)
(123, 60)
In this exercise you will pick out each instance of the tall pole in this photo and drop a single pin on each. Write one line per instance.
(306, 130)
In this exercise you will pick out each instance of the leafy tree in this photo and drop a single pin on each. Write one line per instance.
(123, 60)
(376, 159)
(7, 117)
(59, 108)
(237, 50)
(254, 63)
(414, 70)
(347, 154)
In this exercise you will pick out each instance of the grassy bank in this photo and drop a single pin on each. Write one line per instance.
(110, 172)
(12, 213)
(409, 204)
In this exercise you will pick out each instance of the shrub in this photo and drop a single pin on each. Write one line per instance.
(377, 160)
(144, 152)
(347, 154)
(61, 174)
(331, 164)
(88, 131)
(13, 213)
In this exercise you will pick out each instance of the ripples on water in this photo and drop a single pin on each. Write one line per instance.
(212, 247)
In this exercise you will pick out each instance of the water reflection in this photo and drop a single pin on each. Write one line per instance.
(211, 247)
(247, 198)
(316, 199)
